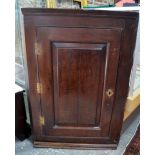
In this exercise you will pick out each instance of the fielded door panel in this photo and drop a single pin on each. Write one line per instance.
(77, 68)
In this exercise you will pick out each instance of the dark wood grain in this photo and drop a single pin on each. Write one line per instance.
(82, 55)
(75, 81)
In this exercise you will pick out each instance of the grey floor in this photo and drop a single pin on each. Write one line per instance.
(26, 148)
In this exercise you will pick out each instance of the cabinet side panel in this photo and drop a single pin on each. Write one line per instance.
(123, 75)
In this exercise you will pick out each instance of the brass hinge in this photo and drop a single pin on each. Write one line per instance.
(39, 88)
(42, 120)
(37, 48)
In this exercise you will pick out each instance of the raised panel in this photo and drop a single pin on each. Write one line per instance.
(78, 83)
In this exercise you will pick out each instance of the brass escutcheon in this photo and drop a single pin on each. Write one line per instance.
(109, 92)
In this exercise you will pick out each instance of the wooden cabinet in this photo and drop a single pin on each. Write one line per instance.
(78, 67)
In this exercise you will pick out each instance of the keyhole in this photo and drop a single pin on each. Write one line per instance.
(109, 92)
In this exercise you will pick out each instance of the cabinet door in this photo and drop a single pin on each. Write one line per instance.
(77, 68)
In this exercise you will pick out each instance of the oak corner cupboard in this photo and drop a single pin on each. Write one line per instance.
(78, 69)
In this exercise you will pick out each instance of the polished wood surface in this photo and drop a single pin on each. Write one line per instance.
(83, 63)
(76, 102)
